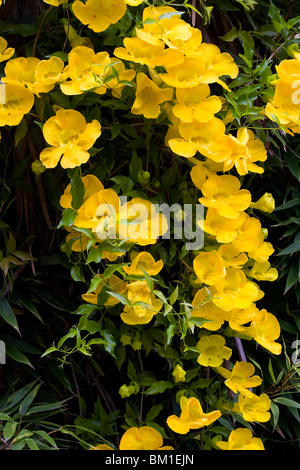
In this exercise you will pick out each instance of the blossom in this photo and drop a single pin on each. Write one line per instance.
(69, 137)
(206, 64)
(225, 230)
(265, 330)
(5, 52)
(39, 76)
(91, 186)
(265, 204)
(241, 439)
(253, 408)
(234, 290)
(116, 75)
(191, 417)
(149, 97)
(232, 256)
(212, 350)
(98, 15)
(247, 150)
(262, 252)
(263, 272)
(143, 261)
(143, 438)
(223, 193)
(209, 267)
(196, 104)
(249, 235)
(55, 3)
(143, 306)
(204, 307)
(99, 209)
(101, 447)
(111, 284)
(238, 317)
(241, 378)
(15, 101)
(86, 71)
(179, 373)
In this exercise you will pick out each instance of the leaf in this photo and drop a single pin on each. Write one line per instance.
(291, 249)
(153, 412)
(174, 295)
(76, 274)
(287, 402)
(158, 387)
(77, 188)
(21, 132)
(28, 400)
(9, 429)
(7, 314)
(68, 218)
(293, 163)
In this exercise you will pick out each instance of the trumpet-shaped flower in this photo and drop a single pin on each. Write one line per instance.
(179, 373)
(143, 306)
(223, 193)
(234, 290)
(196, 104)
(98, 15)
(263, 272)
(249, 235)
(265, 204)
(143, 261)
(113, 284)
(204, 307)
(143, 438)
(232, 256)
(5, 52)
(15, 101)
(99, 209)
(253, 408)
(262, 252)
(149, 96)
(225, 230)
(91, 186)
(209, 267)
(213, 350)
(265, 330)
(240, 317)
(246, 152)
(39, 76)
(70, 138)
(241, 439)
(86, 71)
(192, 416)
(55, 3)
(241, 378)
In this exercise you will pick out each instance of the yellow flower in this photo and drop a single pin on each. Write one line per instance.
(191, 417)
(249, 235)
(143, 260)
(116, 83)
(225, 230)
(15, 101)
(206, 64)
(263, 272)
(246, 152)
(179, 373)
(113, 284)
(55, 3)
(234, 290)
(143, 438)
(74, 38)
(223, 193)
(147, 305)
(262, 252)
(149, 97)
(240, 317)
(241, 378)
(86, 71)
(196, 104)
(91, 186)
(39, 76)
(241, 439)
(232, 256)
(140, 222)
(101, 447)
(70, 138)
(98, 15)
(266, 203)
(133, 3)
(212, 351)
(5, 52)
(254, 408)
(209, 267)
(204, 307)
(99, 210)
(265, 329)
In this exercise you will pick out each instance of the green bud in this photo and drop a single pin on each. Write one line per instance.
(37, 167)
(144, 177)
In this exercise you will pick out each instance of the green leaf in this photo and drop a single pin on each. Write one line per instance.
(291, 249)
(174, 295)
(153, 412)
(287, 402)
(69, 215)
(9, 429)
(7, 314)
(28, 400)
(158, 387)
(76, 274)
(77, 188)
